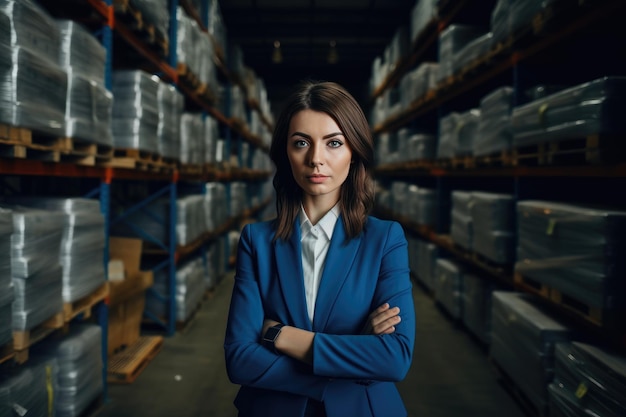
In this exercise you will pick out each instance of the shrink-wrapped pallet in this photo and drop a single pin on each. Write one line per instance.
(191, 132)
(451, 41)
(135, 111)
(27, 392)
(472, 51)
(493, 218)
(427, 207)
(82, 244)
(500, 21)
(588, 381)
(422, 14)
(448, 287)
(6, 284)
(461, 227)
(577, 250)
(457, 132)
(210, 136)
(523, 340)
(171, 104)
(477, 306)
(422, 146)
(427, 263)
(76, 378)
(238, 198)
(416, 83)
(81, 51)
(447, 135)
(495, 132)
(215, 205)
(156, 13)
(595, 107)
(190, 288)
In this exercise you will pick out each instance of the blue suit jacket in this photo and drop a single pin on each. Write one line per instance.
(352, 373)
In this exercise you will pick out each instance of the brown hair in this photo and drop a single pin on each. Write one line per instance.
(357, 192)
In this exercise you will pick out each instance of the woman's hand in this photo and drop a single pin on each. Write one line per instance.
(382, 320)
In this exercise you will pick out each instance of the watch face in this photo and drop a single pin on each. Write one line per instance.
(271, 334)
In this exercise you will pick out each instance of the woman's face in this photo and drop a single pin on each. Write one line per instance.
(319, 154)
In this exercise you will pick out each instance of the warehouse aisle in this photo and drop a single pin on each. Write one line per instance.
(450, 376)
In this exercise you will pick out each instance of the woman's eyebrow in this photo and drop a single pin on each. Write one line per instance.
(304, 135)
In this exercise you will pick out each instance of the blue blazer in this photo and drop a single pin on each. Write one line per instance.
(352, 373)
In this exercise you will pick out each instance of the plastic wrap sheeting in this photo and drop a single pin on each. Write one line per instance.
(416, 83)
(215, 205)
(461, 228)
(452, 40)
(477, 306)
(426, 209)
(155, 12)
(578, 250)
(493, 218)
(588, 381)
(422, 13)
(211, 133)
(26, 389)
(421, 146)
(77, 377)
(495, 132)
(23, 76)
(426, 263)
(81, 51)
(449, 287)
(190, 288)
(474, 50)
(191, 131)
(466, 130)
(194, 49)
(6, 229)
(500, 21)
(135, 111)
(88, 110)
(595, 107)
(447, 132)
(31, 28)
(523, 340)
(238, 198)
(171, 103)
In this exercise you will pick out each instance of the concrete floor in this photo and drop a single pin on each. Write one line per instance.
(450, 375)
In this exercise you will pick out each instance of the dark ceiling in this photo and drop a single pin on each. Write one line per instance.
(361, 30)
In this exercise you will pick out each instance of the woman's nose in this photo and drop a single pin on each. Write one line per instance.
(315, 156)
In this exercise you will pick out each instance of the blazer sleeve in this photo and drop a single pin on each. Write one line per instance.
(384, 357)
(248, 362)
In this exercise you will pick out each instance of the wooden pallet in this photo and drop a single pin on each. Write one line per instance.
(498, 159)
(127, 365)
(187, 77)
(531, 286)
(85, 304)
(593, 149)
(24, 339)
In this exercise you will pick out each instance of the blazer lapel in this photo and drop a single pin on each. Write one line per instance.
(339, 260)
(289, 266)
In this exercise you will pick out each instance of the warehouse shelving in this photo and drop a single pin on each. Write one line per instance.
(517, 61)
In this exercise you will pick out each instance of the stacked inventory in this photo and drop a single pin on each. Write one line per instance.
(191, 133)
(494, 129)
(448, 286)
(209, 137)
(195, 50)
(6, 285)
(461, 228)
(89, 103)
(576, 250)
(493, 219)
(477, 306)
(588, 381)
(135, 113)
(523, 339)
(26, 392)
(29, 52)
(215, 205)
(458, 132)
(35, 269)
(471, 52)
(427, 263)
(171, 104)
(452, 40)
(414, 146)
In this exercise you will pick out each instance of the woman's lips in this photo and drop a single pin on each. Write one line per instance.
(317, 179)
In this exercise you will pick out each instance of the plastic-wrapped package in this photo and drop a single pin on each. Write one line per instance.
(595, 107)
(447, 133)
(26, 391)
(238, 198)
(190, 288)
(171, 104)
(23, 76)
(81, 51)
(191, 132)
(6, 283)
(31, 28)
(77, 376)
(210, 136)
(237, 108)
(448, 286)
(495, 132)
(577, 250)
(217, 27)
(155, 12)
(493, 218)
(475, 49)
(190, 221)
(88, 110)
(523, 342)
(82, 244)
(588, 381)
(452, 40)
(422, 146)
(422, 14)
(207, 72)
(461, 228)
(466, 132)
(416, 83)
(185, 38)
(427, 263)
(427, 206)
(135, 112)
(477, 306)
(500, 21)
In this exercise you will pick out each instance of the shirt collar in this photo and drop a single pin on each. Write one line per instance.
(327, 222)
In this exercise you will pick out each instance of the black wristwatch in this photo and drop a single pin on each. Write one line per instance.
(270, 336)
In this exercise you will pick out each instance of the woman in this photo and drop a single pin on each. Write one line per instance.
(321, 321)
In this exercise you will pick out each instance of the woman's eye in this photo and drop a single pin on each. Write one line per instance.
(299, 143)
(335, 143)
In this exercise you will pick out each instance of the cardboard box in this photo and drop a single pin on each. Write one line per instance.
(127, 250)
(125, 322)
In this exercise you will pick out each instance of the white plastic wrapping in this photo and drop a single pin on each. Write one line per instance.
(461, 227)
(449, 286)
(416, 83)
(578, 250)
(474, 50)
(215, 205)
(588, 381)
(171, 104)
(422, 14)
(595, 107)
(447, 135)
(495, 132)
(191, 134)
(195, 50)
(523, 340)
(135, 111)
(493, 218)
(238, 198)
(210, 136)
(26, 390)
(81, 51)
(451, 41)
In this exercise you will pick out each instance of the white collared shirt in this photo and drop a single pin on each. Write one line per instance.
(315, 241)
